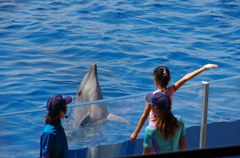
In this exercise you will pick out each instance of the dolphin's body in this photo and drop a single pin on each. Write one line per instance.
(89, 90)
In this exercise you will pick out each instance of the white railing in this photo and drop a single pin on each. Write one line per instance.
(203, 128)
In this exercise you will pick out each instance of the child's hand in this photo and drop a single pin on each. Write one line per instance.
(133, 137)
(208, 66)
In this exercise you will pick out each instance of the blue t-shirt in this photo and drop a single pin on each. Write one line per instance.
(153, 138)
(53, 141)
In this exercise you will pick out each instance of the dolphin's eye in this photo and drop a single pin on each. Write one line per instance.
(80, 92)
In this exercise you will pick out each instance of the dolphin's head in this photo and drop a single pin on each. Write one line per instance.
(89, 89)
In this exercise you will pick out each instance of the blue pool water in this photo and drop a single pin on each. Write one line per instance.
(46, 47)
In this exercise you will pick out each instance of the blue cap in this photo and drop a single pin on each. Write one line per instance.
(161, 100)
(57, 103)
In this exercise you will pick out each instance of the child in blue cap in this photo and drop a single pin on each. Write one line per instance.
(53, 141)
(167, 131)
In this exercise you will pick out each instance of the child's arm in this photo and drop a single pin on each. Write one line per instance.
(187, 77)
(141, 122)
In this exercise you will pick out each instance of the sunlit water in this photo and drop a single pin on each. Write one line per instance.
(46, 47)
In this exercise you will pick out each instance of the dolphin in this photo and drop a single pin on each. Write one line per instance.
(89, 90)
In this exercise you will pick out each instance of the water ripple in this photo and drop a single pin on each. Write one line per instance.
(48, 46)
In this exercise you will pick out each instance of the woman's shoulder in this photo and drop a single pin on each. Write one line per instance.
(50, 129)
(179, 118)
(152, 125)
(151, 128)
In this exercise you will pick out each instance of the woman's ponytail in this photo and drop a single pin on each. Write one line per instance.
(167, 124)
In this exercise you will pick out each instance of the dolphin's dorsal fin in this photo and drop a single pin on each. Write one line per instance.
(85, 120)
(115, 118)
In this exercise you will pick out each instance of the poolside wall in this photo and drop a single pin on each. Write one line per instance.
(218, 134)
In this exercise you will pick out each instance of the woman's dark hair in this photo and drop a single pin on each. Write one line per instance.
(166, 124)
(54, 119)
(162, 74)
